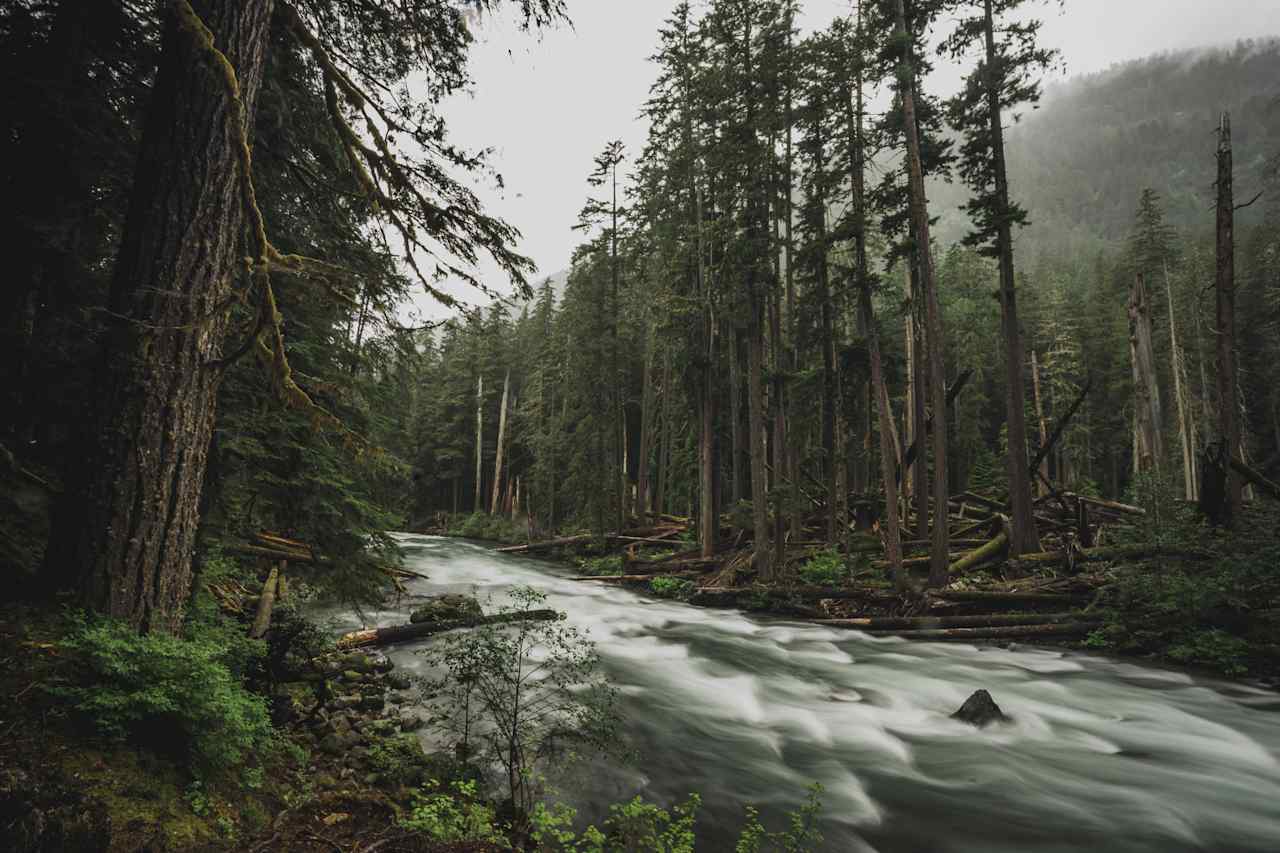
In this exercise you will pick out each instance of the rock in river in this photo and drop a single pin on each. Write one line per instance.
(980, 710)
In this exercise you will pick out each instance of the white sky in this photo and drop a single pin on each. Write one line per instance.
(548, 106)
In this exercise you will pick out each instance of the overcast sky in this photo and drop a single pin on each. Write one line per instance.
(547, 106)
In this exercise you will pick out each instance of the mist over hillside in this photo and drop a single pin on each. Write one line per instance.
(1080, 161)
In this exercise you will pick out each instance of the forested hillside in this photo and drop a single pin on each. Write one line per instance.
(1097, 141)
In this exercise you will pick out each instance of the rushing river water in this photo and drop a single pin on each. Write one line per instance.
(1101, 755)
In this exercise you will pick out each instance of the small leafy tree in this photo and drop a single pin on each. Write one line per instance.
(516, 695)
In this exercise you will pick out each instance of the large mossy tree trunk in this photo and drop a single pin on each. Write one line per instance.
(129, 526)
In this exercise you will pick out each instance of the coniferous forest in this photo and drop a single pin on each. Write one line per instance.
(978, 388)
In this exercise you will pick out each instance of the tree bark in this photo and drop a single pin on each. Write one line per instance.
(1042, 466)
(934, 338)
(130, 529)
(1225, 299)
(888, 451)
(1023, 535)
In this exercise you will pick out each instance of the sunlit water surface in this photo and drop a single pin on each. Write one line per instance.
(1101, 754)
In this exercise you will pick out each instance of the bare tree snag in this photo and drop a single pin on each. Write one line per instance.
(1146, 389)
(1186, 420)
(477, 505)
(1042, 467)
(502, 436)
(266, 601)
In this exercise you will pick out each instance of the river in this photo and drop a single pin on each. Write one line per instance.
(1102, 754)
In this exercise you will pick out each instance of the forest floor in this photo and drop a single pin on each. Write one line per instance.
(1153, 582)
(347, 784)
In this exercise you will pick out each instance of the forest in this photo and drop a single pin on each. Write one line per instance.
(998, 365)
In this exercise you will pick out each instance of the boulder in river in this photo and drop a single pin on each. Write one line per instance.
(447, 608)
(980, 710)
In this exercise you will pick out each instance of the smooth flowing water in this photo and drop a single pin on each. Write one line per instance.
(1101, 754)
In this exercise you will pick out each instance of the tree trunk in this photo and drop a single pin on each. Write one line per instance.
(502, 437)
(1146, 391)
(131, 526)
(1042, 467)
(737, 436)
(1023, 535)
(1225, 293)
(916, 418)
(477, 505)
(1186, 425)
(646, 431)
(934, 339)
(756, 437)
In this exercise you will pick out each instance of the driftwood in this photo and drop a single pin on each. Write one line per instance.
(1001, 632)
(266, 601)
(418, 630)
(888, 623)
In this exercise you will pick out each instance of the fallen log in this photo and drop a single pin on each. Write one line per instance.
(634, 578)
(811, 592)
(910, 562)
(1114, 506)
(273, 553)
(271, 540)
(1110, 552)
(976, 557)
(544, 545)
(1049, 630)
(1004, 597)
(418, 630)
(1254, 477)
(1060, 427)
(909, 457)
(986, 620)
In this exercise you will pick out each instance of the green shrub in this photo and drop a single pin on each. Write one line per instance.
(665, 586)
(825, 568)
(1213, 647)
(398, 759)
(607, 565)
(168, 692)
(451, 817)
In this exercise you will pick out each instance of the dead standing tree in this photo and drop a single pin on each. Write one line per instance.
(1146, 390)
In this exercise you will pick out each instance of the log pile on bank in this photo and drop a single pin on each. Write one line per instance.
(990, 596)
